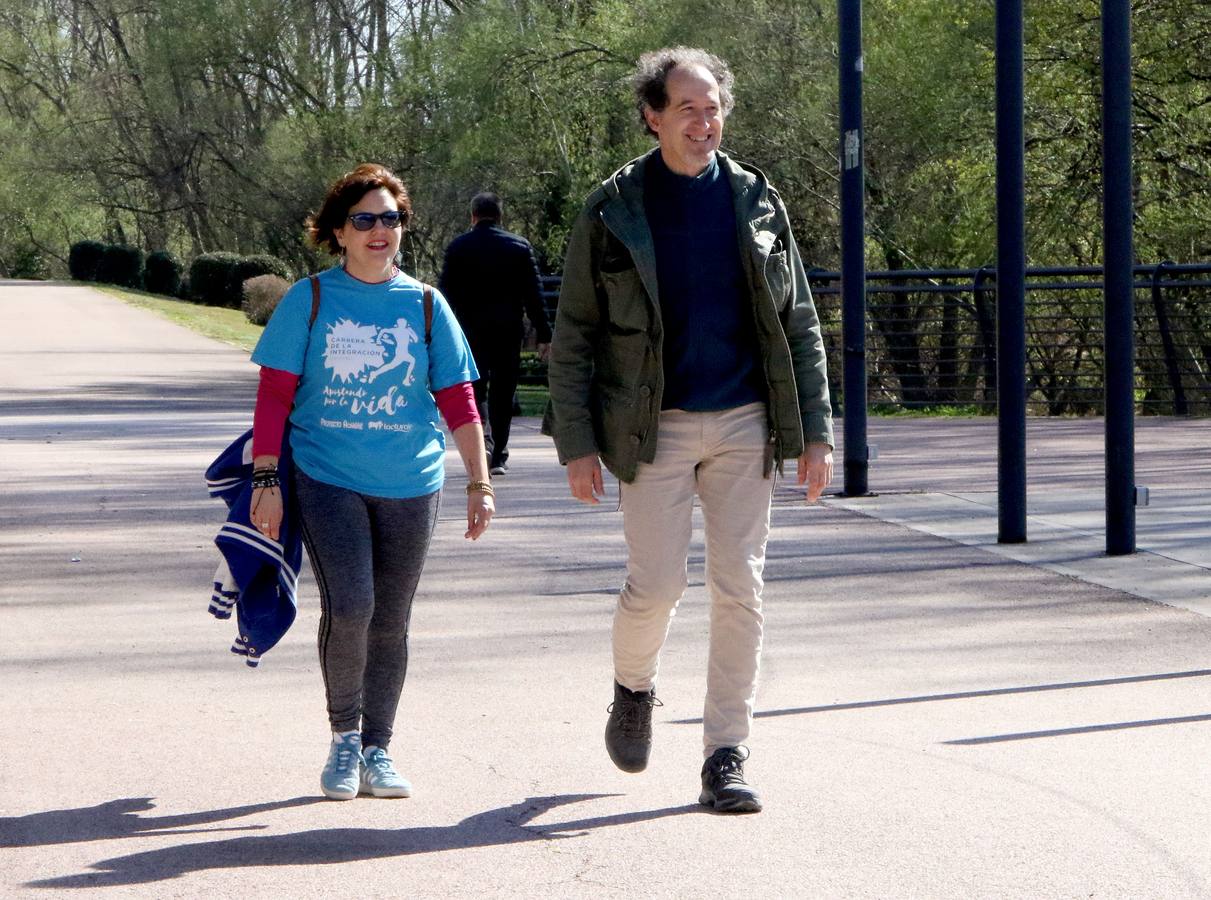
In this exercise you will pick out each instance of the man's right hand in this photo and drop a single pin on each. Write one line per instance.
(584, 478)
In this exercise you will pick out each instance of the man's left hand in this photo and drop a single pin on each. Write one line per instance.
(816, 469)
(544, 351)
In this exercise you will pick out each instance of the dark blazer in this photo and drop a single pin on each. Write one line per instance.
(490, 278)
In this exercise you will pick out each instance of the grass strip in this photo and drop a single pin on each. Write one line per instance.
(227, 325)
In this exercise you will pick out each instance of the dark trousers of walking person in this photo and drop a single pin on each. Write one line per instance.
(499, 364)
(367, 554)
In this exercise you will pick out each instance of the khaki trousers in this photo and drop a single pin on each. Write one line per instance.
(720, 457)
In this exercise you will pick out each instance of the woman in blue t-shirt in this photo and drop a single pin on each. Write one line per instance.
(362, 386)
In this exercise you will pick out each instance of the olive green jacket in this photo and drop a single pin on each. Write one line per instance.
(606, 374)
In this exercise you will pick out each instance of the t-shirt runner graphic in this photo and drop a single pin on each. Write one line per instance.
(402, 336)
(357, 352)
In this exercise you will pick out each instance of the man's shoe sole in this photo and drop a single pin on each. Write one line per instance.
(632, 768)
(737, 805)
(338, 795)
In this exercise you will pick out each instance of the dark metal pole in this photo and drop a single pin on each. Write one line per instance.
(1011, 276)
(853, 247)
(1117, 212)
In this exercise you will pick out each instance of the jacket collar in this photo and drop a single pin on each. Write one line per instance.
(623, 211)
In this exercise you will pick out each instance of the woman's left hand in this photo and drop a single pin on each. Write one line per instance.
(480, 506)
(480, 509)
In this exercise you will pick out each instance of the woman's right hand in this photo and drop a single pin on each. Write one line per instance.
(265, 511)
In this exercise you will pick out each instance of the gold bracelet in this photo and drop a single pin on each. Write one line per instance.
(481, 487)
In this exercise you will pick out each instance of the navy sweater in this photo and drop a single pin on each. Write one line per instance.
(711, 359)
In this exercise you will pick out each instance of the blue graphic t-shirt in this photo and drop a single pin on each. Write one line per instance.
(364, 416)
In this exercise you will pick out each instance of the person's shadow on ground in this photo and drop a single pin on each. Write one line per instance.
(506, 825)
(119, 819)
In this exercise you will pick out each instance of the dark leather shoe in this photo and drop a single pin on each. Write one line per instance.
(723, 786)
(628, 733)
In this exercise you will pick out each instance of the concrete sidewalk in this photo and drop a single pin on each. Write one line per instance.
(935, 720)
(939, 476)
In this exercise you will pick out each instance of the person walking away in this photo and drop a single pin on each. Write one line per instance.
(491, 278)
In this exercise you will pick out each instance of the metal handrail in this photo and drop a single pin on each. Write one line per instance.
(946, 348)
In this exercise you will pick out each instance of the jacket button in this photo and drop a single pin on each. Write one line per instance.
(635, 439)
(645, 391)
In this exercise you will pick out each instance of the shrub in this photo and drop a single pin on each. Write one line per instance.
(210, 279)
(84, 259)
(24, 262)
(162, 274)
(254, 266)
(261, 297)
(121, 265)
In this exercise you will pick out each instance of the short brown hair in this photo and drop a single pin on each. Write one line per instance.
(344, 194)
(652, 74)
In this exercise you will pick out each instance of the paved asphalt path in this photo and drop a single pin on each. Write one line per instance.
(935, 720)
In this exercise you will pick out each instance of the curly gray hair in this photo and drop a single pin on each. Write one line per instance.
(652, 75)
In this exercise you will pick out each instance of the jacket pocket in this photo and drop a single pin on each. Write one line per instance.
(620, 424)
(778, 278)
(626, 299)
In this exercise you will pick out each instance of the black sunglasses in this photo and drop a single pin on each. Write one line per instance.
(392, 218)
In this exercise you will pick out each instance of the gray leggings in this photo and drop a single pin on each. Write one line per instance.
(367, 554)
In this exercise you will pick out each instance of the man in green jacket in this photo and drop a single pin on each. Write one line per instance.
(687, 357)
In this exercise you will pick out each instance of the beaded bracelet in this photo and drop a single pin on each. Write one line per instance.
(481, 487)
(266, 477)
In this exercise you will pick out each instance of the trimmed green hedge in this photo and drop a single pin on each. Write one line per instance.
(121, 265)
(217, 279)
(210, 279)
(257, 265)
(84, 259)
(162, 274)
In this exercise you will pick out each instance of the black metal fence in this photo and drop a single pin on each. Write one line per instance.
(931, 338)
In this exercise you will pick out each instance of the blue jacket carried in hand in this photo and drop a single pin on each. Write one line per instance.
(257, 576)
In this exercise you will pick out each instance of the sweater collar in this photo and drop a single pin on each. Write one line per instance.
(623, 210)
(665, 179)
